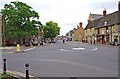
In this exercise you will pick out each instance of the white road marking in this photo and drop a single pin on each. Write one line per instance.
(29, 49)
(78, 48)
(64, 50)
(94, 49)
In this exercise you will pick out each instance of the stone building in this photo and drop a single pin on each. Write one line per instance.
(105, 29)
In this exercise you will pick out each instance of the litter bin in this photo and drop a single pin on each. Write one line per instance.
(18, 47)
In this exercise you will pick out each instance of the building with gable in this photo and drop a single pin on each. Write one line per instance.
(104, 29)
(79, 33)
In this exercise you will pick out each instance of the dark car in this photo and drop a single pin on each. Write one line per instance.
(8, 43)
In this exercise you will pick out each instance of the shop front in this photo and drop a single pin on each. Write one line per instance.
(117, 38)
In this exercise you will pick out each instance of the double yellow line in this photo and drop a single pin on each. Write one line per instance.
(6, 52)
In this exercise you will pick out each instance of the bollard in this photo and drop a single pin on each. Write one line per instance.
(18, 47)
(63, 41)
(27, 71)
(72, 77)
(4, 66)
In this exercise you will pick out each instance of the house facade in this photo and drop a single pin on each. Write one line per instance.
(104, 30)
(79, 33)
(70, 35)
(90, 30)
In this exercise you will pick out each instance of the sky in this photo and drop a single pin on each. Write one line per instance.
(68, 13)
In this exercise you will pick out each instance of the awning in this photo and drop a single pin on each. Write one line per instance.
(116, 34)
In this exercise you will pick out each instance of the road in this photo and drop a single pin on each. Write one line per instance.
(65, 60)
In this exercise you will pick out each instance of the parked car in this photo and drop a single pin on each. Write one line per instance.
(114, 44)
(8, 43)
(34, 41)
(27, 44)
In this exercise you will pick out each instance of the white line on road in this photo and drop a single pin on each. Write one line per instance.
(78, 48)
(64, 50)
(29, 49)
(94, 49)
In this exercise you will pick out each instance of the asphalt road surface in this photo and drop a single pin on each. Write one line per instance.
(66, 60)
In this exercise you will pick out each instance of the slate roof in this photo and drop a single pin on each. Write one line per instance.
(93, 23)
(110, 19)
(96, 16)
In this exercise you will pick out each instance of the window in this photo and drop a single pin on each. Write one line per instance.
(102, 30)
(116, 28)
(90, 29)
(105, 23)
(98, 31)
(107, 30)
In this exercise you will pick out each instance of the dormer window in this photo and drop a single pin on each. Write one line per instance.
(105, 23)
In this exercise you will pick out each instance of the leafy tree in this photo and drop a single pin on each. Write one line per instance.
(51, 30)
(39, 25)
(17, 17)
(67, 34)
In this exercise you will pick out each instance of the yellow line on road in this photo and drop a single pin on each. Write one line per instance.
(6, 52)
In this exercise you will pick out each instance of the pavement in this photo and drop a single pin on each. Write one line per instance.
(13, 49)
(102, 45)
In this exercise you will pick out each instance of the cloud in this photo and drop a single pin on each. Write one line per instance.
(99, 6)
(68, 13)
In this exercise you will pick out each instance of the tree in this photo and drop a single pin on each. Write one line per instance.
(17, 17)
(51, 30)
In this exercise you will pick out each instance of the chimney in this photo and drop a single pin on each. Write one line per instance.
(77, 26)
(119, 6)
(80, 24)
(104, 12)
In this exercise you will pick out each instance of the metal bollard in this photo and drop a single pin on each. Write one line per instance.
(27, 70)
(4, 66)
(72, 77)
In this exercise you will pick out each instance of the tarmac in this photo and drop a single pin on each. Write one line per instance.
(12, 50)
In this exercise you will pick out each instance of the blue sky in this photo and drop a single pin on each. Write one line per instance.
(68, 13)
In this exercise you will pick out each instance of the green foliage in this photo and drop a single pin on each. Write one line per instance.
(67, 34)
(17, 19)
(6, 76)
(51, 29)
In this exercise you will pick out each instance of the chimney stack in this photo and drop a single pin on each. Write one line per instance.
(80, 24)
(119, 6)
(104, 12)
(77, 26)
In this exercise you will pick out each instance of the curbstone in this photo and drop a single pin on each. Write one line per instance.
(19, 75)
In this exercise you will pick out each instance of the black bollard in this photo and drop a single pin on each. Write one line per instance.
(63, 41)
(4, 66)
(72, 77)
(27, 71)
